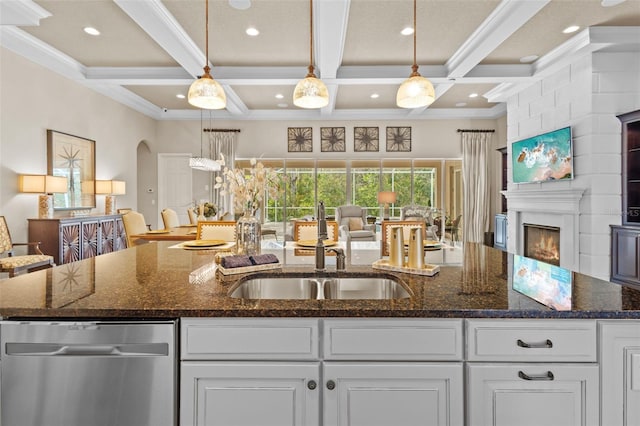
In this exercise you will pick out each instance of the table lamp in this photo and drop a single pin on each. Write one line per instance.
(45, 186)
(386, 198)
(110, 188)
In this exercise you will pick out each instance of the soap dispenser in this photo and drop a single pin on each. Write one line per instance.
(396, 247)
(416, 249)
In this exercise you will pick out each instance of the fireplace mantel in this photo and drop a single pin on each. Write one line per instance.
(562, 201)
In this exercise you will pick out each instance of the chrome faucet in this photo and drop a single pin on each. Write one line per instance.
(322, 235)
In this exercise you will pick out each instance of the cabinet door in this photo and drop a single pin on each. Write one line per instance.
(70, 242)
(620, 364)
(119, 236)
(399, 394)
(107, 236)
(625, 266)
(249, 394)
(532, 394)
(90, 239)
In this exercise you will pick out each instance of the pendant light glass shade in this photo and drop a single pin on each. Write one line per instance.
(205, 92)
(416, 91)
(311, 92)
(204, 164)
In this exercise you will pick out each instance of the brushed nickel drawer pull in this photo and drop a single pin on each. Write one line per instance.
(525, 376)
(312, 385)
(546, 344)
(331, 385)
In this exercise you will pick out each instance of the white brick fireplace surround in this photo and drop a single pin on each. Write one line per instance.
(559, 208)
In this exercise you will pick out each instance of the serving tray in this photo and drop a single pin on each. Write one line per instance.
(428, 269)
(245, 269)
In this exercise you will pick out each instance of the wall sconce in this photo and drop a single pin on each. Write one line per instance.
(45, 186)
(110, 188)
(386, 198)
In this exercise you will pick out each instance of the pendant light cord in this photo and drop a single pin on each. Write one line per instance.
(206, 32)
(415, 31)
(311, 67)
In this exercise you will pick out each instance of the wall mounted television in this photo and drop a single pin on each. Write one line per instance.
(543, 158)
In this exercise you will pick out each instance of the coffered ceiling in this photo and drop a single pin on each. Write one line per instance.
(150, 51)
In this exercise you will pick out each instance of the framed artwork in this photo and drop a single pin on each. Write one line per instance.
(74, 158)
(399, 139)
(366, 139)
(300, 139)
(332, 139)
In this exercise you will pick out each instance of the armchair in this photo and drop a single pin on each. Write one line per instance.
(353, 226)
(421, 213)
(18, 264)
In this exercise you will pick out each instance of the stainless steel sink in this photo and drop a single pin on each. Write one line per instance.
(319, 288)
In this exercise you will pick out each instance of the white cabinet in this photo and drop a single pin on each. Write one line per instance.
(620, 365)
(532, 372)
(261, 372)
(249, 393)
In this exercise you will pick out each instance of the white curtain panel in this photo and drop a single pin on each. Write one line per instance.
(223, 142)
(475, 175)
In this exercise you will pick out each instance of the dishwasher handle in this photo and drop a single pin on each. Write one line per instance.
(54, 349)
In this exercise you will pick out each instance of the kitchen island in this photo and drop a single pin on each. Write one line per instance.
(153, 281)
(464, 348)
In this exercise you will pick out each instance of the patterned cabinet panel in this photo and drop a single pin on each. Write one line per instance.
(68, 239)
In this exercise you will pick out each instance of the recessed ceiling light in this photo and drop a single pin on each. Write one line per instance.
(407, 31)
(92, 31)
(528, 59)
(571, 29)
(240, 4)
(473, 95)
(279, 96)
(609, 3)
(283, 105)
(252, 31)
(180, 96)
(461, 104)
(375, 96)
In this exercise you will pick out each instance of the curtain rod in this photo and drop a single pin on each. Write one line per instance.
(221, 130)
(475, 131)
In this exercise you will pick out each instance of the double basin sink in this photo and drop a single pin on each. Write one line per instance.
(319, 288)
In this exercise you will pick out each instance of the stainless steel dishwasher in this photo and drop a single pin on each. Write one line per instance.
(88, 373)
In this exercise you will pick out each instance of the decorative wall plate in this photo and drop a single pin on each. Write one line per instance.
(366, 139)
(332, 139)
(300, 139)
(399, 139)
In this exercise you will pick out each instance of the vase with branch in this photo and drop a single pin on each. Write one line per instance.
(248, 188)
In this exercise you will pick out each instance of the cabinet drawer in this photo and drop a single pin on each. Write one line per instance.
(532, 340)
(363, 339)
(238, 339)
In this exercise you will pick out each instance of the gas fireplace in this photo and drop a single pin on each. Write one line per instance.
(542, 243)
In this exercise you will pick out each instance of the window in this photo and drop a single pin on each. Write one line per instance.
(365, 184)
(300, 188)
(332, 184)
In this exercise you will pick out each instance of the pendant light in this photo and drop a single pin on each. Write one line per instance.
(205, 92)
(311, 92)
(416, 91)
(203, 163)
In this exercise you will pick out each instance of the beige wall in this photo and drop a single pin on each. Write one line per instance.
(33, 100)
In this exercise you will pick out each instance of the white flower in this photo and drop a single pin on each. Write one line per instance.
(248, 190)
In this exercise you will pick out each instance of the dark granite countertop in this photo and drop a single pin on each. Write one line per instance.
(153, 281)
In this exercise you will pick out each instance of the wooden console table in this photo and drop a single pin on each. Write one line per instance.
(68, 239)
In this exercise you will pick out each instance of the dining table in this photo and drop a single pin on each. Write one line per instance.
(179, 233)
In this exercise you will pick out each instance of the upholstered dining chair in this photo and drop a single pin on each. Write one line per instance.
(18, 264)
(421, 213)
(406, 226)
(352, 222)
(216, 230)
(134, 223)
(193, 217)
(304, 230)
(170, 218)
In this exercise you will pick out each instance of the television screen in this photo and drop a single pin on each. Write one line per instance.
(543, 282)
(543, 158)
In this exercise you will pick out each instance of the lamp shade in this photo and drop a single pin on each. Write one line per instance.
(386, 197)
(311, 92)
(42, 184)
(207, 93)
(110, 187)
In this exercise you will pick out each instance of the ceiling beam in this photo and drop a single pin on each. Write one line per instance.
(21, 12)
(330, 23)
